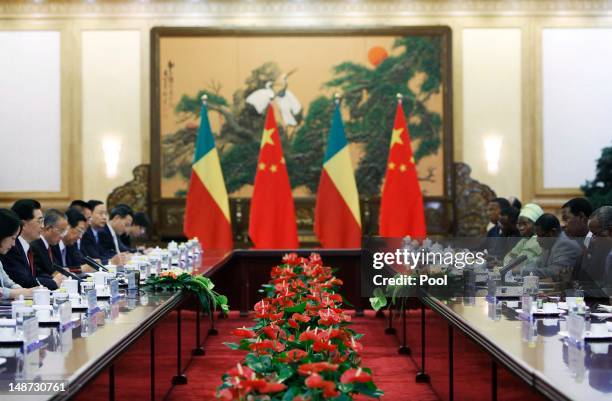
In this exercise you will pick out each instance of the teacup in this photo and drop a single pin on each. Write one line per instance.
(86, 286)
(599, 329)
(100, 278)
(16, 305)
(41, 296)
(72, 286)
(43, 312)
(549, 307)
(7, 329)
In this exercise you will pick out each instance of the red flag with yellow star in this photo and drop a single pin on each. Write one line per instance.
(272, 217)
(401, 205)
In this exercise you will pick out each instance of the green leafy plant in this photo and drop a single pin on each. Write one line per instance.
(599, 191)
(201, 286)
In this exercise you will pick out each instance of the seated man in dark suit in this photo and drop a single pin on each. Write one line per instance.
(560, 254)
(494, 246)
(121, 218)
(593, 274)
(55, 227)
(90, 243)
(94, 243)
(19, 261)
(67, 252)
(575, 215)
(139, 228)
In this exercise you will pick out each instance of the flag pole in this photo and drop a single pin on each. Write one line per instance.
(399, 97)
(337, 98)
(204, 99)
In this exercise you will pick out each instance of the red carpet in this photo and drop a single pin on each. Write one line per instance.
(393, 373)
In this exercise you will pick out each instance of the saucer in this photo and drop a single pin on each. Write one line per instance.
(589, 337)
(541, 312)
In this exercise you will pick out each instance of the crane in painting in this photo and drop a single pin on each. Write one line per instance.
(287, 102)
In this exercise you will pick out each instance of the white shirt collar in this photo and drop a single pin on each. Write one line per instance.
(44, 242)
(25, 244)
(587, 239)
(115, 240)
(62, 246)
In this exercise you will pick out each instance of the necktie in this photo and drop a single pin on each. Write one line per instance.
(63, 256)
(31, 262)
(50, 254)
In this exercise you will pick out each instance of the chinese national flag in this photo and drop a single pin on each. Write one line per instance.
(401, 206)
(272, 216)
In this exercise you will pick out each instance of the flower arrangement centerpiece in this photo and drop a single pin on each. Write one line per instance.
(300, 347)
(203, 287)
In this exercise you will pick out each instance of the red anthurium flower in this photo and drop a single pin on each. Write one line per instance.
(354, 345)
(295, 355)
(293, 323)
(262, 308)
(225, 395)
(243, 332)
(309, 335)
(327, 317)
(264, 346)
(240, 370)
(301, 318)
(329, 391)
(314, 381)
(315, 258)
(320, 346)
(291, 259)
(272, 388)
(255, 384)
(316, 367)
(355, 376)
(335, 333)
(271, 331)
(275, 316)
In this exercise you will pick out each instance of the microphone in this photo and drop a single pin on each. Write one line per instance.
(66, 273)
(512, 264)
(94, 264)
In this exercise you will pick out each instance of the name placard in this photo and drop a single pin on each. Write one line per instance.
(131, 279)
(114, 289)
(65, 313)
(30, 334)
(92, 300)
(526, 306)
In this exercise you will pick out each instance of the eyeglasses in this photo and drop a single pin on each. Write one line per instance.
(61, 233)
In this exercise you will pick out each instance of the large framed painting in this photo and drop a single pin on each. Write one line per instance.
(303, 69)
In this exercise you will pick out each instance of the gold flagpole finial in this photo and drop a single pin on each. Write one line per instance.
(204, 99)
(399, 97)
(337, 98)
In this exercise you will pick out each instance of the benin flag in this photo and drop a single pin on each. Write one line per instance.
(272, 216)
(207, 212)
(337, 218)
(401, 206)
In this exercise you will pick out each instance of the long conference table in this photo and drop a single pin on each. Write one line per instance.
(466, 348)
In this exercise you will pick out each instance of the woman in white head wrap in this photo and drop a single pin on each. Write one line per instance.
(528, 245)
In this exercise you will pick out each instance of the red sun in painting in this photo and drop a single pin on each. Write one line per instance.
(376, 55)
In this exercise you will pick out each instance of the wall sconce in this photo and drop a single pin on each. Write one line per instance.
(112, 148)
(492, 148)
